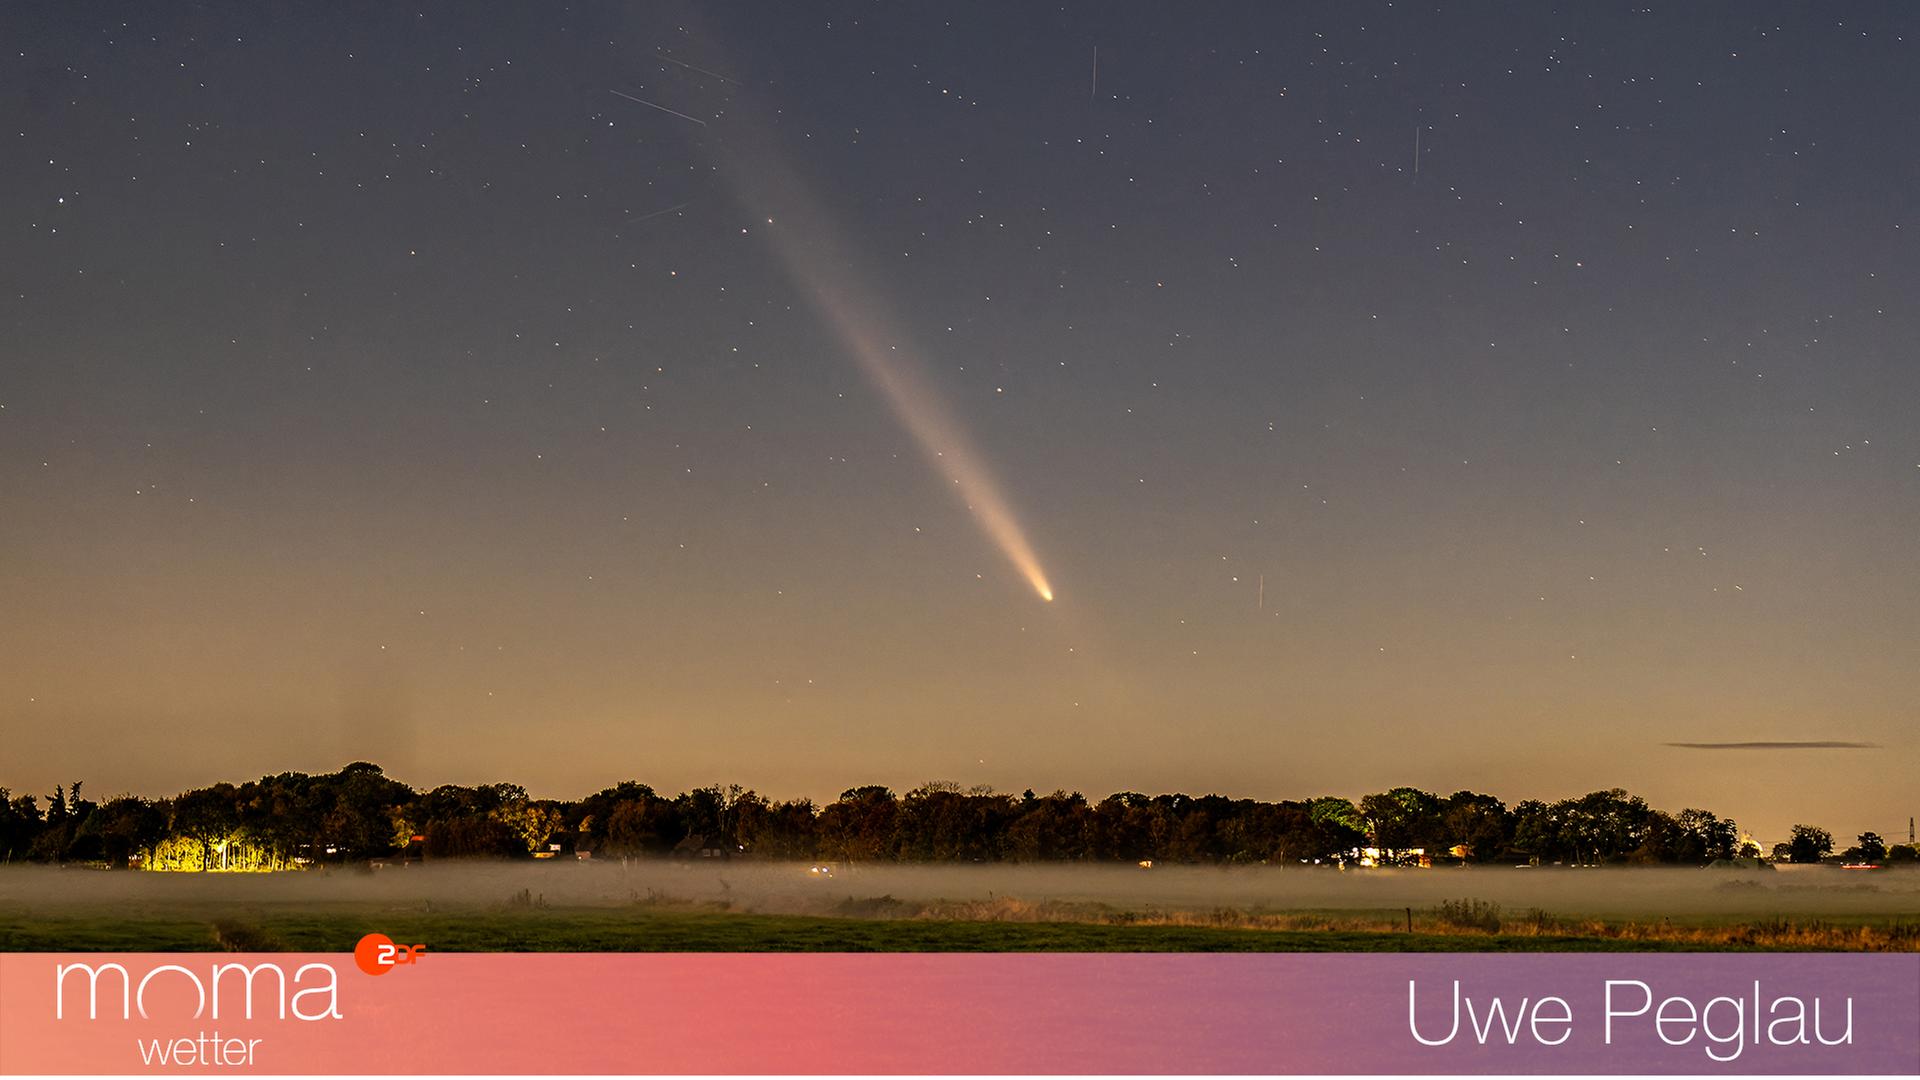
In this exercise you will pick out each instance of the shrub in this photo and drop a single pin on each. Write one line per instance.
(1469, 914)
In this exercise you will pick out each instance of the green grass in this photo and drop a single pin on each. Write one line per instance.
(648, 929)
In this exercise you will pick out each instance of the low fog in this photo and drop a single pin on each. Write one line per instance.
(789, 888)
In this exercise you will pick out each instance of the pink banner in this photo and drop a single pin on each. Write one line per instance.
(987, 1013)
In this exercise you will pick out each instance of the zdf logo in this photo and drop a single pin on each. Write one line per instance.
(377, 954)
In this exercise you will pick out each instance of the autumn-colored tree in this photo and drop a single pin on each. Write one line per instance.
(859, 824)
(207, 816)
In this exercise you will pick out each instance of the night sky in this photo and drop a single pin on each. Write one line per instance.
(1479, 396)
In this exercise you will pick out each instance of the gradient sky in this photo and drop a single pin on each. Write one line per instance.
(388, 383)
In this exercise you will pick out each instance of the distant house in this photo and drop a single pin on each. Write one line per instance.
(695, 846)
(1415, 856)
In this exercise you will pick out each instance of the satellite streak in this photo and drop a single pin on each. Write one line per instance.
(662, 108)
(657, 213)
(701, 70)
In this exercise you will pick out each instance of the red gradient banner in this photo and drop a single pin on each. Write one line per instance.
(964, 1013)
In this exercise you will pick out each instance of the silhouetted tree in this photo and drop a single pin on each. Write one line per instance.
(783, 830)
(1130, 827)
(1478, 822)
(471, 836)
(859, 824)
(640, 825)
(20, 824)
(1047, 828)
(939, 822)
(1700, 836)
(1869, 849)
(359, 812)
(118, 829)
(1402, 818)
(1806, 844)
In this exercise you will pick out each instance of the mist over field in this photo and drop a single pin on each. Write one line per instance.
(791, 888)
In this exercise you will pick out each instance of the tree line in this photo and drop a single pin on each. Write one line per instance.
(295, 819)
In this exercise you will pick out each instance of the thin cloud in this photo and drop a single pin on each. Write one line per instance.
(1823, 744)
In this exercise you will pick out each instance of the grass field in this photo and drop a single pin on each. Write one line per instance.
(602, 930)
(688, 928)
(655, 908)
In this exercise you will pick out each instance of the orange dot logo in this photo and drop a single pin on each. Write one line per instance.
(374, 954)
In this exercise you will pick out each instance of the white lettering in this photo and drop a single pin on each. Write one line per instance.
(1413, 1016)
(60, 974)
(1565, 1019)
(1646, 993)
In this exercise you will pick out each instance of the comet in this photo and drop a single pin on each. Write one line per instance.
(809, 249)
(890, 363)
(894, 368)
